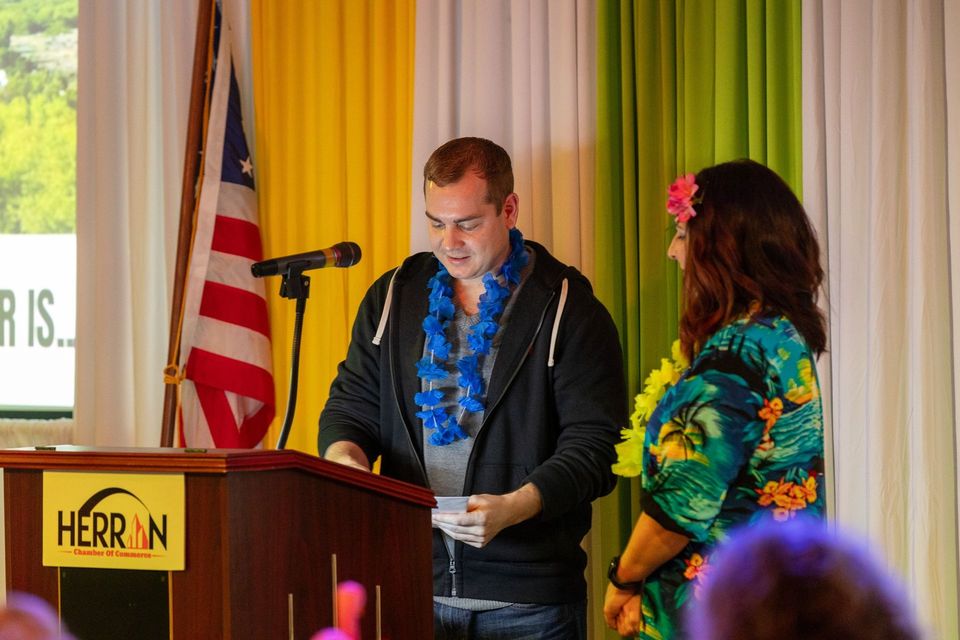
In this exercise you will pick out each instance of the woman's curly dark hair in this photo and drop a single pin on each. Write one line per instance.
(750, 241)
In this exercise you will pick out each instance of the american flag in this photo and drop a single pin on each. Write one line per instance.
(227, 396)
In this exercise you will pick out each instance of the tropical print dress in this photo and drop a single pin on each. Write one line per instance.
(738, 438)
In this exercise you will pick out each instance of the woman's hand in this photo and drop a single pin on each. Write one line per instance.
(621, 610)
(650, 545)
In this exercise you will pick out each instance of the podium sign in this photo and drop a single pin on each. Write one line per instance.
(113, 520)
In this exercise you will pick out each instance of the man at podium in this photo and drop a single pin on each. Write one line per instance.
(487, 369)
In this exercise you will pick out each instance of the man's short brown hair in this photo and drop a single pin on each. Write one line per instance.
(451, 161)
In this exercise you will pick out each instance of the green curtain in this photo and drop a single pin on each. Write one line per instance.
(682, 84)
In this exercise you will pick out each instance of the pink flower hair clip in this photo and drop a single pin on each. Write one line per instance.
(681, 198)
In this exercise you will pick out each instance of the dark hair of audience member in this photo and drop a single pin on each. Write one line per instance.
(28, 617)
(798, 580)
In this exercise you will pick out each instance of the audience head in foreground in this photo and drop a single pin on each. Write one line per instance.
(28, 617)
(799, 580)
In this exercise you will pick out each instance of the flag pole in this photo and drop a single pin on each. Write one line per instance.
(191, 171)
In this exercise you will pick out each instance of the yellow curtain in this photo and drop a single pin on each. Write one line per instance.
(334, 124)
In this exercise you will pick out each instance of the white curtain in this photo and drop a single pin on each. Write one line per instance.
(522, 74)
(135, 64)
(882, 99)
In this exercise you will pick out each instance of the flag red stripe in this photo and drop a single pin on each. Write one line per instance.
(255, 427)
(216, 410)
(182, 437)
(223, 426)
(236, 306)
(237, 237)
(221, 372)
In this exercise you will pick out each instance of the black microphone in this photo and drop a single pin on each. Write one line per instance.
(342, 254)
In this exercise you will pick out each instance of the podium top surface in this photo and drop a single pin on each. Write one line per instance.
(204, 461)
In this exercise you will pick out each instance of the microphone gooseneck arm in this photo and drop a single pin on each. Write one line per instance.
(295, 285)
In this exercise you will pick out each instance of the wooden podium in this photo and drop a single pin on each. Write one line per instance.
(262, 528)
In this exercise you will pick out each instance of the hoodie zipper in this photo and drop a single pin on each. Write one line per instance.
(453, 578)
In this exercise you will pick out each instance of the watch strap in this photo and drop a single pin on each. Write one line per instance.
(615, 581)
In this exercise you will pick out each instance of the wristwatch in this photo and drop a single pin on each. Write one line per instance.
(612, 577)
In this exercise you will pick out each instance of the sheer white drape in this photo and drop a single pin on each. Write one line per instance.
(882, 98)
(522, 74)
(135, 63)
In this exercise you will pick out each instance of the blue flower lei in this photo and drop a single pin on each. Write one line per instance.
(446, 428)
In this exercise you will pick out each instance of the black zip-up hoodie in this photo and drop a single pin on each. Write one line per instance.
(555, 405)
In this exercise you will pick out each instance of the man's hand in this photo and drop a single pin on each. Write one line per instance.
(347, 453)
(487, 515)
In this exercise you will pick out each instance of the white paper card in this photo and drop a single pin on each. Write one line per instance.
(457, 504)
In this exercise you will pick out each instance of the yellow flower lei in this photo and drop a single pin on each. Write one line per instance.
(630, 450)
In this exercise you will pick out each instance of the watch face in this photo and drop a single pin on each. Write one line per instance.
(614, 580)
(612, 569)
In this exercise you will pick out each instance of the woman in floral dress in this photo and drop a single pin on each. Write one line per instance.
(739, 437)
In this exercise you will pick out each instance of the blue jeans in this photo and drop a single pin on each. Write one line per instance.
(516, 622)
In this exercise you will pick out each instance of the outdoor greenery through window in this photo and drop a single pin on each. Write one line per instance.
(38, 132)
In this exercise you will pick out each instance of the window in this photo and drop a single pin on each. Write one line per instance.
(38, 116)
